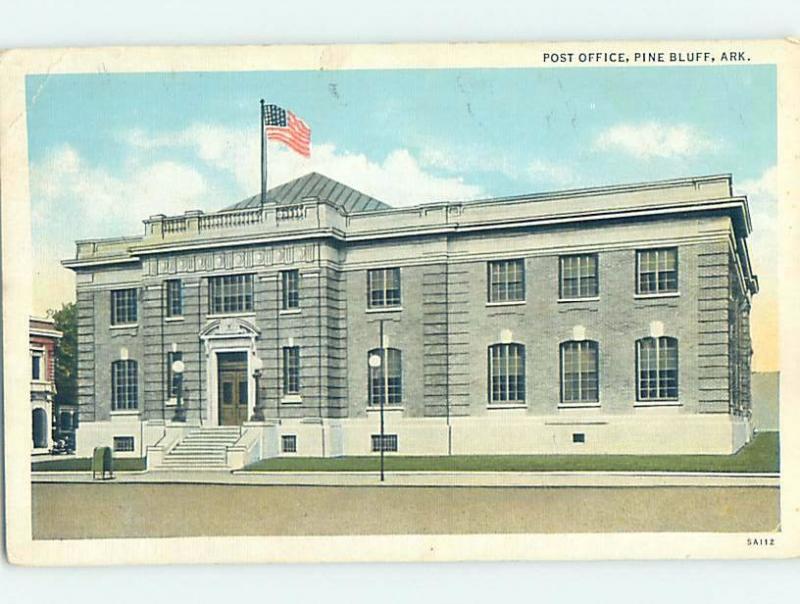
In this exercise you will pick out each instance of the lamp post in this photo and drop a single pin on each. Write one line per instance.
(376, 361)
(180, 413)
(258, 367)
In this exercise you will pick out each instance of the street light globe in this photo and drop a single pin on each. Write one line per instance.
(178, 366)
(374, 361)
(258, 364)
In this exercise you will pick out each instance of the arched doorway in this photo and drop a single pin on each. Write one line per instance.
(39, 428)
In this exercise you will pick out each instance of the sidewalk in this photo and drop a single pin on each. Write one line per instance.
(428, 479)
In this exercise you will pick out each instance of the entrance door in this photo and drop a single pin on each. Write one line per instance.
(232, 393)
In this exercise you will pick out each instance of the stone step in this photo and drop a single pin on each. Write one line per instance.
(194, 460)
(185, 454)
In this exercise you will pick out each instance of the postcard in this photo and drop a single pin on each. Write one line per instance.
(400, 302)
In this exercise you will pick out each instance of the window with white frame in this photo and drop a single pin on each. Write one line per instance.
(290, 289)
(124, 385)
(506, 280)
(579, 372)
(174, 298)
(230, 294)
(657, 369)
(291, 370)
(506, 374)
(383, 288)
(578, 276)
(37, 364)
(123, 306)
(657, 271)
(386, 387)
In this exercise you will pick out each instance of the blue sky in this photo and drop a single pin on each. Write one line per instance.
(107, 150)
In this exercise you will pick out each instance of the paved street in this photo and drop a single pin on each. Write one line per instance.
(82, 510)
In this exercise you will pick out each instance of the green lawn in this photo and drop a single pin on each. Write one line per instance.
(761, 455)
(126, 464)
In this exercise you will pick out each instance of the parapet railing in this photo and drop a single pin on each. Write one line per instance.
(196, 222)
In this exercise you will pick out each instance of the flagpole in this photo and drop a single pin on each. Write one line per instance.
(263, 156)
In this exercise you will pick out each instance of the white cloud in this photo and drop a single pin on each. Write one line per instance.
(551, 173)
(399, 179)
(764, 245)
(98, 199)
(765, 186)
(73, 199)
(649, 140)
(467, 159)
(762, 195)
(229, 149)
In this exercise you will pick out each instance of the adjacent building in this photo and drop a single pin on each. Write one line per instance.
(603, 320)
(43, 341)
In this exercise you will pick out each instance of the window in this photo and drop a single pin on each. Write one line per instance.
(657, 368)
(506, 373)
(389, 443)
(506, 281)
(291, 370)
(123, 444)
(36, 366)
(657, 271)
(392, 384)
(290, 289)
(230, 294)
(172, 377)
(289, 443)
(123, 306)
(578, 437)
(174, 298)
(579, 372)
(578, 276)
(124, 385)
(39, 425)
(383, 287)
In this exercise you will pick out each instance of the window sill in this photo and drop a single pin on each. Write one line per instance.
(248, 314)
(567, 300)
(290, 311)
(491, 406)
(173, 319)
(579, 405)
(656, 296)
(292, 399)
(124, 412)
(377, 408)
(509, 303)
(385, 309)
(666, 403)
(124, 326)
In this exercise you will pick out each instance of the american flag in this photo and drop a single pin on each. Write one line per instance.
(282, 125)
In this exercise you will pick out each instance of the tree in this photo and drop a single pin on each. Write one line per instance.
(66, 369)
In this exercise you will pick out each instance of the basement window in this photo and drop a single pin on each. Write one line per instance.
(289, 443)
(389, 443)
(123, 444)
(578, 437)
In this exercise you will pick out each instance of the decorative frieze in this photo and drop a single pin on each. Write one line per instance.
(230, 260)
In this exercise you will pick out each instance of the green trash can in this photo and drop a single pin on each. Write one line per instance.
(102, 463)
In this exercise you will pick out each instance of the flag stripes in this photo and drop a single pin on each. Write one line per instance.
(284, 126)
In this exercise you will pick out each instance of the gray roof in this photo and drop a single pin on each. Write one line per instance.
(315, 185)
